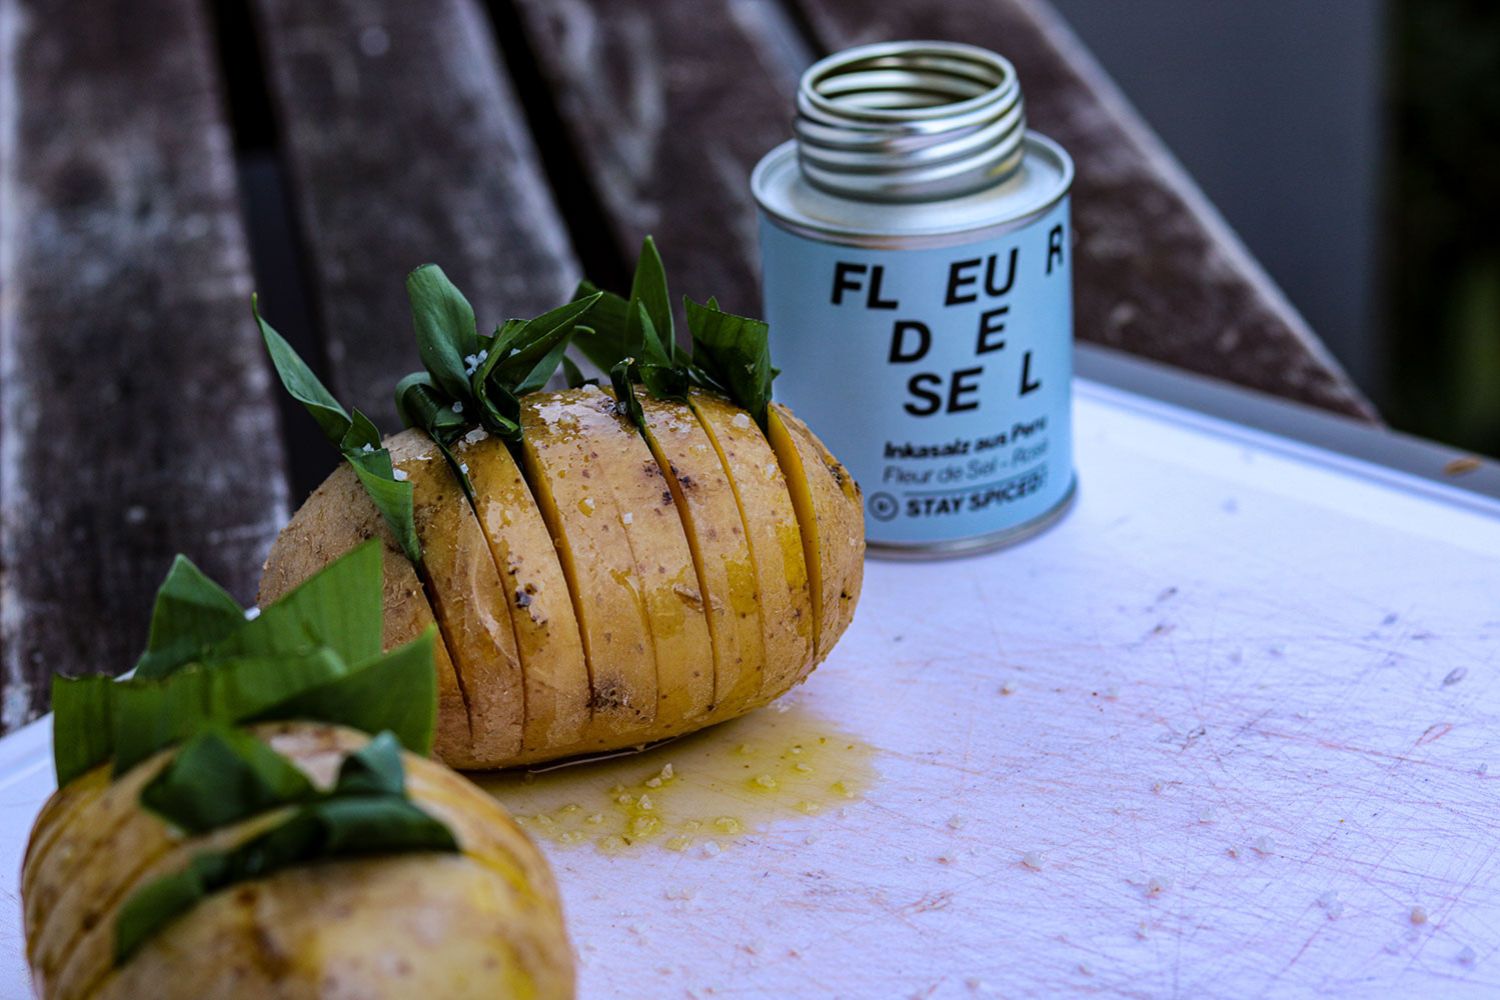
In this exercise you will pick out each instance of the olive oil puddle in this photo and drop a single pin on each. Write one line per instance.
(700, 793)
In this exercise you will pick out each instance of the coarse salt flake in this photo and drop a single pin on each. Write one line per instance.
(251, 614)
(741, 420)
(399, 474)
(955, 822)
(458, 406)
(1263, 845)
(1033, 860)
(464, 468)
(627, 517)
(476, 435)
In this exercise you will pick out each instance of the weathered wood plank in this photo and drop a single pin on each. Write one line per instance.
(1158, 272)
(135, 410)
(670, 103)
(406, 145)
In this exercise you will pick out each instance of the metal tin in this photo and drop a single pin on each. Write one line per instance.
(917, 278)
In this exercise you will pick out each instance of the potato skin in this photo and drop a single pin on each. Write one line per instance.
(607, 526)
(483, 922)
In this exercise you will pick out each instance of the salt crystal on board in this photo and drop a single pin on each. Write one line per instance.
(1207, 814)
(1033, 860)
(1331, 904)
(955, 822)
(1263, 845)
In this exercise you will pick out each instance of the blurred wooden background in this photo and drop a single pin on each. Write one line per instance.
(161, 158)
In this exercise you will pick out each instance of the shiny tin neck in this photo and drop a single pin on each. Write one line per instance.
(909, 121)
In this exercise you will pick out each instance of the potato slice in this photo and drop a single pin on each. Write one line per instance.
(469, 597)
(365, 922)
(780, 564)
(831, 517)
(336, 518)
(719, 547)
(541, 610)
(675, 601)
(566, 466)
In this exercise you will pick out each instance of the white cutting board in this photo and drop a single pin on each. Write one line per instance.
(1230, 638)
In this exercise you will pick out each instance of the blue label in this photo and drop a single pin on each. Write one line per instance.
(940, 377)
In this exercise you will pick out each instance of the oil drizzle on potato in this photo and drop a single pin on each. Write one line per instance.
(700, 793)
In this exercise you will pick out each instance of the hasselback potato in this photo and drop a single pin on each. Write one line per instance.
(189, 853)
(607, 566)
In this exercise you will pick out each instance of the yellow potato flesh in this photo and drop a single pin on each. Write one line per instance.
(336, 518)
(838, 511)
(561, 461)
(469, 598)
(719, 546)
(664, 565)
(779, 562)
(541, 611)
(483, 922)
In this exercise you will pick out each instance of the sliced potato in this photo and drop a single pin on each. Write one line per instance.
(471, 602)
(778, 559)
(541, 611)
(561, 461)
(832, 522)
(664, 563)
(719, 546)
(336, 518)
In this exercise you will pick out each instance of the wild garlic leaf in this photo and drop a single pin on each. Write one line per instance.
(392, 497)
(444, 324)
(649, 299)
(373, 769)
(191, 613)
(396, 691)
(733, 351)
(82, 725)
(340, 608)
(220, 777)
(348, 826)
(424, 404)
(151, 715)
(300, 382)
(573, 376)
(606, 342)
(621, 378)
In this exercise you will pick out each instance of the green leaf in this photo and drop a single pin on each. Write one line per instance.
(392, 497)
(151, 715)
(573, 376)
(223, 776)
(373, 769)
(444, 324)
(337, 827)
(339, 608)
(300, 382)
(626, 403)
(191, 613)
(82, 725)
(734, 352)
(395, 692)
(649, 300)
(606, 342)
(424, 404)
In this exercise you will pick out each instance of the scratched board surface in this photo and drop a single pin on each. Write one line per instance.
(1224, 731)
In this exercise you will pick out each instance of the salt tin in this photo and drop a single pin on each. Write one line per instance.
(917, 275)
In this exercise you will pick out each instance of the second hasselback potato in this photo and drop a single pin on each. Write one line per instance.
(607, 566)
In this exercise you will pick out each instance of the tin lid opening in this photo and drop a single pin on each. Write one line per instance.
(909, 121)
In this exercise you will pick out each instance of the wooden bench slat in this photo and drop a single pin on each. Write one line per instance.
(670, 103)
(136, 416)
(1158, 272)
(406, 145)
